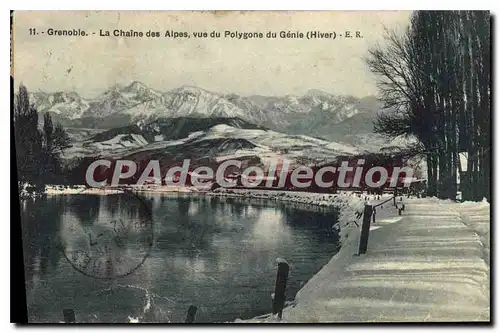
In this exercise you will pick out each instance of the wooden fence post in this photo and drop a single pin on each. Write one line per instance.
(365, 229)
(191, 314)
(279, 290)
(69, 315)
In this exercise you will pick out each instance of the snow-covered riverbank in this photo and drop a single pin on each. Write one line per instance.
(430, 264)
(82, 189)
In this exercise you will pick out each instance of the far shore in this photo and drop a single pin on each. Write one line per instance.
(82, 189)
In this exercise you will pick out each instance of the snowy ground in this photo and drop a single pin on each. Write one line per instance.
(82, 189)
(430, 264)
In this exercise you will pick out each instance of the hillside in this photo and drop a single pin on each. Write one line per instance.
(172, 140)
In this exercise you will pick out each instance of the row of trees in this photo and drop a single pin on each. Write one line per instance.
(38, 147)
(435, 79)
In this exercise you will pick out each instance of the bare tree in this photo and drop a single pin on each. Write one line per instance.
(435, 77)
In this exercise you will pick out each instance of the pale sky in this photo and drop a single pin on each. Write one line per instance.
(90, 65)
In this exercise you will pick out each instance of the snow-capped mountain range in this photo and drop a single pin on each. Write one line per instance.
(316, 113)
(140, 123)
(65, 104)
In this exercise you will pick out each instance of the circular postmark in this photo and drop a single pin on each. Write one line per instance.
(112, 245)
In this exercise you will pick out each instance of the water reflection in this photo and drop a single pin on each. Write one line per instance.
(216, 253)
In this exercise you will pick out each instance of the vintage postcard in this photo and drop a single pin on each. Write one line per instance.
(252, 166)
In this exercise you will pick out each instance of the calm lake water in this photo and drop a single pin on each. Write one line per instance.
(216, 253)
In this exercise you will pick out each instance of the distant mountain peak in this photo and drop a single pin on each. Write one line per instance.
(136, 86)
(67, 104)
(193, 90)
(316, 93)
